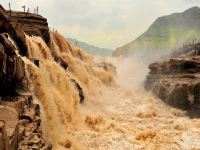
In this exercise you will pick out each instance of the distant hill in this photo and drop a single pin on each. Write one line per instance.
(164, 34)
(96, 51)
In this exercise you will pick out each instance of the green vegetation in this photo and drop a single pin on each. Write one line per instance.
(166, 33)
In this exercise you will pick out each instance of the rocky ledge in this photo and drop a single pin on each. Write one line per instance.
(17, 23)
(19, 116)
(177, 80)
(20, 124)
(31, 24)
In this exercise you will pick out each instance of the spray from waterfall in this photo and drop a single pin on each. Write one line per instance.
(53, 89)
(117, 112)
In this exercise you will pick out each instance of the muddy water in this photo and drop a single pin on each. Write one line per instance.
(127, 117)
(118, 114)
(137, 120)
(52, 87)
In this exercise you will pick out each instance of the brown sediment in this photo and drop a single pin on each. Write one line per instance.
(121, 116)
(117, 112)
(53, 87)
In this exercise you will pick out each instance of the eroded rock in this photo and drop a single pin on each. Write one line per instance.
(19, 117)
(18, 23)
(177, 80)
(16, 130)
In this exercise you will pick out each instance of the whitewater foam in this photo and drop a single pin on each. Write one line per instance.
(117, 112)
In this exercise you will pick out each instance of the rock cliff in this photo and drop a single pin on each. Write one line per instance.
(177, 80)
(16, 23)
(19, 116)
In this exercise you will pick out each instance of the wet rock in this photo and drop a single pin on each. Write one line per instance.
(19, 117)
(67, 144)
(17, 102)
(12, 68)
(60, 61)
(29, 114)
(177, 80)
(10, 130)
(21, 132)
(46, 147)
(80, 90)
(35, 61)
(10, 117)
(20, 125)
(4, 142)
(18, 23)
(35, 147)
(36, 107)
(36, 140)
(1, 141)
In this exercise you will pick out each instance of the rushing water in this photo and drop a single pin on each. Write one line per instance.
(117, 113)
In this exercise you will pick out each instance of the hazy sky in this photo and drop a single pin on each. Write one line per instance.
(104, 23)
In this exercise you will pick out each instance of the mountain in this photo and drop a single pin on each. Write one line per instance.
(165, 34)
(96, 51)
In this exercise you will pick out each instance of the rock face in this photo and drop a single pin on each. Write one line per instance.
(31, 24)
(16, 23)
(177, 80)
(80, 90)
(93, 50)
(19, 117)
(12, 69)
(20, 124)
(108, 67)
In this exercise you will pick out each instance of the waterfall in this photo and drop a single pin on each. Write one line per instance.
(53, 87)
(116, 113)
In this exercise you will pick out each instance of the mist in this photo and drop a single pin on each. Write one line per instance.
(61, 97)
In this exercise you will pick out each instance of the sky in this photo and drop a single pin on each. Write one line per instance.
(103, 23)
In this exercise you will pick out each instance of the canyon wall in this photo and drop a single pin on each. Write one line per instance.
(177, 80)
